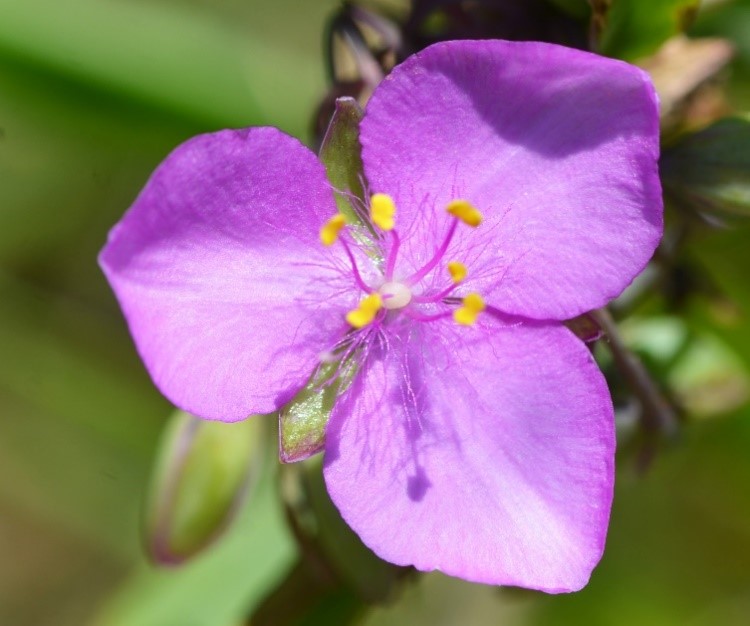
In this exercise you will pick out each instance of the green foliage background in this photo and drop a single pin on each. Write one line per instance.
(93, 94)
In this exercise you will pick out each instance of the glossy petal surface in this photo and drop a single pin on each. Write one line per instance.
(557, 147)
(218, 266)
(486, 454)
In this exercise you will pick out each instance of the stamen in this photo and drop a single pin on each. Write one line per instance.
(436, 257)
(382, 211)
(365, 313)
(457, 271)
(473, 305)
(464, 211)
(436, 297)
(329, 233)
(355, 270)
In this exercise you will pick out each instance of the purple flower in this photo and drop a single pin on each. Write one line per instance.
(515, 185)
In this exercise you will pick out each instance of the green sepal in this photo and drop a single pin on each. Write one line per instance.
(204, 471)
(630, 29)
(341, 155)
(709, 171)
(302, 422)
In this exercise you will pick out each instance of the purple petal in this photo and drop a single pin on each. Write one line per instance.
(557, 147)
(228, 293)
(486, 455)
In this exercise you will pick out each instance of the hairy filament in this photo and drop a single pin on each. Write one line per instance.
(391, 265)
(439, 253)
(355, 270)
(418, 317)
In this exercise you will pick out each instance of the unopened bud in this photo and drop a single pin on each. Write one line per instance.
(203, 473)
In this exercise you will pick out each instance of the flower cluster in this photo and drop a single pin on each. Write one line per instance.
(514, 186)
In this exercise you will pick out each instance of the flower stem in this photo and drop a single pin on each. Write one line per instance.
(657, 414)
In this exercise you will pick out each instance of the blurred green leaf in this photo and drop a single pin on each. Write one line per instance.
(175, 56)
(723, 254)
(204, 471)
(704, 374)
(710, 379)
(77, 426)
(629, 29)
(71, 160)
(709, 171)
(219, 587)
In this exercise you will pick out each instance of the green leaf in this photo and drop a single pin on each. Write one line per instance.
(629, 29)
(204, 471)
(709, 171)
(340, 152)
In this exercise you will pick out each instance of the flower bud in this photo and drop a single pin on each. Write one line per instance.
(204, 470)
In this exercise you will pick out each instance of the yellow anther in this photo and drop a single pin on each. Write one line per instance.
(457, 271)
(365, 312)
(329, 234)
(465, 211)
(466, 315)
(382, 211)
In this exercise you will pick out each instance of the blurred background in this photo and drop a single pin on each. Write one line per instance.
(95, 93)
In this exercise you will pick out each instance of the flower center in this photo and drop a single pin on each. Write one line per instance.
(395, 295)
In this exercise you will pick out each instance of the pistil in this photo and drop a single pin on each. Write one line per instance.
(395, 295)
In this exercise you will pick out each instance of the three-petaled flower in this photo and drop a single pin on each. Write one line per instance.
(514, 186)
